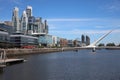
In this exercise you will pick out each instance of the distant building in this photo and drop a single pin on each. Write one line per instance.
(15, 20)
(83, 39)
(20, 41)
(4, 39)
(31, 21)
(54, 39)
(29, 11)
(24, 23)
(7, 28)
(21, 30)
(70, 43)
(46, 26)
(28, 24)
(77, 43)
(63, 42)
(58, 41)
(87, 40)
(45, 40)
(8, 23)
(38, 25)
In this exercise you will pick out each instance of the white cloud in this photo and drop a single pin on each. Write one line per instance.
(79, 32)
(16, 2)
(72, 19)
(117, 31)
(113, 6)
(100, 27)
(52, 27)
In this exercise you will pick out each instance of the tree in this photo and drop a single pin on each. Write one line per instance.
(101, 44)
(110, 44)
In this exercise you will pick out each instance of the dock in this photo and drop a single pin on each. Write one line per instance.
(2, 66)
(11, 61)
(4, 61)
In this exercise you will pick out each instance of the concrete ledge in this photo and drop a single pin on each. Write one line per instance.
(15, 52)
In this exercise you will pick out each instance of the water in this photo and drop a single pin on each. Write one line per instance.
(70, 65)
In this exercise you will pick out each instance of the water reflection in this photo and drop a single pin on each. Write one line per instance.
(70, 65)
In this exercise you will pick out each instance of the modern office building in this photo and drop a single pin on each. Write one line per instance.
(87, 40)
(83, 39)
(70, 43)
(31, 21)
(15, 20)
(37, 25)
(24, 23)
(54, 39)
(4, 39)
(46, 26)
(28, 24)
(20, 41)
(8, 23)
(6, 28)
(58, 41)
(45, 40)
(63, 42)
(23, 29)
(29, 11)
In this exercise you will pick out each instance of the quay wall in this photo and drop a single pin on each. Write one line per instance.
(15, 52)
(18, 51)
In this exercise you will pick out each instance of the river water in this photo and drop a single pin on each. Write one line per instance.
(68, 65)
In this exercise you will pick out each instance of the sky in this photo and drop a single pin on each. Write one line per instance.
(71, 18)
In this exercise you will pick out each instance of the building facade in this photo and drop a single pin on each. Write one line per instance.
(83, 39)
(8, 23)
(87, 40)
(45, 40)
(15, 20)
(29, 11)
(70, 43)
(4, 39)
(28, 24)
(24, 23)
(63, 42)
(20, 41)
(31, 21)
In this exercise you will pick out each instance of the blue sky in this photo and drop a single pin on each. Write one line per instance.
(72, 18)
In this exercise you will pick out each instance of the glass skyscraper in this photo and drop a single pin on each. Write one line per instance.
(24, 23)
(15, 20)
(29, 11)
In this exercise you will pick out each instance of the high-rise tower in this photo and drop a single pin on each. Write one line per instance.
(29, 11)
(83, 39)
(46, 27)
(15, 20)
(87, 40)
(24, 22)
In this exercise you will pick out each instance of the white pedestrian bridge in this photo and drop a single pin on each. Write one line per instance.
(93, 45)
